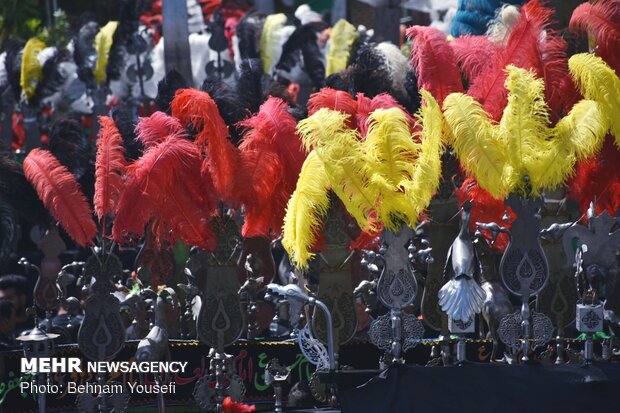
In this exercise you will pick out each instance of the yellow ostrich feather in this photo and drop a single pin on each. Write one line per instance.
(269, 39)
(599, 82)
(476, 142)
(341, 40)
(103, 44)
(427, 171)
(340, 151)
(391, 154)
(523, 126)
(31, 70)
(579, 135)
(305, 211)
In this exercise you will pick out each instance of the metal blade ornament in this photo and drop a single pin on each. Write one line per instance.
(102, 333)
(524, 272)
(396, 289)
(176, 38)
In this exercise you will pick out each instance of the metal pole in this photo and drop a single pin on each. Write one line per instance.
(176, 38)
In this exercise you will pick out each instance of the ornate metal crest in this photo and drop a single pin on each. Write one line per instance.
(312, 349)
(102, 333)
(206, 395)
(220, 321)
(524, 269)
(229, 244)
(335, 290)
(397, 286)
(380, 331)
(510, 330)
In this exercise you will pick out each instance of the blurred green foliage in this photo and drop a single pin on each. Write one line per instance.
(19, 19)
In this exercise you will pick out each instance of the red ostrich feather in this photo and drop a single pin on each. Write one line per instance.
(433, 60)
(165, 183)
(109, 169)
(365, 106)
(273, 155)
(530, 46)
(473, 54)
(602, 20)
(61, 195)
(230, 406)
(223, 158)
(154, 129)
(336, 100)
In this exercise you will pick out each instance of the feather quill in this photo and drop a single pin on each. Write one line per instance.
(103, 44)
(433, 60)
(61, 195)
(31, 69)
(597, 81)
(341, 40)
(109, 169)
(154, 129)
(305, 211)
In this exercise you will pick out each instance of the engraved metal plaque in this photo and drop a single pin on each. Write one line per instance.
(397, 286)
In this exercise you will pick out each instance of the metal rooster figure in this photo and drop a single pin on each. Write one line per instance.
(461, 297)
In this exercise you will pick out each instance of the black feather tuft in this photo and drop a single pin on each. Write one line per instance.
(85, 54)
(303, 44)
(338, 81)
(368, 73)
(250, 84)
(166, 88)
(15, 188)
(53, 78)
(126, 125)
(413, 95)
(228, 103)
(68, 144)
(13, 65)
(248, 33)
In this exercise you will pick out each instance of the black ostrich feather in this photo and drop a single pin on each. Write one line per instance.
(85, 54)
(166, 89)
(126, 125)
(304, 41)
(248, 33)
(250, 84)
(368, 73)
(229, 103)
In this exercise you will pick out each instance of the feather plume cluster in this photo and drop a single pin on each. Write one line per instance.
(271, 41)
(385, 180)
(61, 195)
(523, 143)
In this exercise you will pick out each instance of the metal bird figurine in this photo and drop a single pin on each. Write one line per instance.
(461, 297)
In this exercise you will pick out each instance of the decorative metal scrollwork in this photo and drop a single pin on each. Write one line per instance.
(313, 349)
(510, 330)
